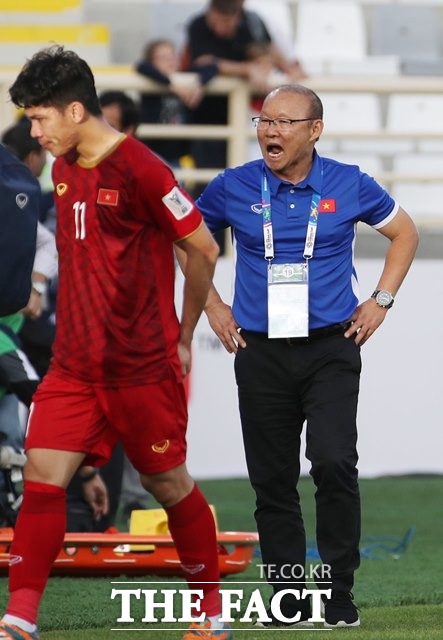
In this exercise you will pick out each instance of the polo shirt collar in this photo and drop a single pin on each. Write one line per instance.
(314, 179)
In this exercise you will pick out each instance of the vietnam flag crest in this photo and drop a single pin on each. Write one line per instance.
(108, 196)
(327, 206)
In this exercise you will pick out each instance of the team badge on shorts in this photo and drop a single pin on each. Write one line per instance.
(160, 447)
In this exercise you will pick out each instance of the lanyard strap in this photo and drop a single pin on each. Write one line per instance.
(268, 236)
(312, 227)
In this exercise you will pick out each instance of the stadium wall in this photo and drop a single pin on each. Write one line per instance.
(400, 401)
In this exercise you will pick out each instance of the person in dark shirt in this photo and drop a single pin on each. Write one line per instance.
(222, 37)
(120, 111)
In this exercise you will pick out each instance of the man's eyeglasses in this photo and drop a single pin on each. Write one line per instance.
(283, 124)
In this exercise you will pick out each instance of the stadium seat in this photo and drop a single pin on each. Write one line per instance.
(42, 12)
(279, 23)
(409, 116)
(370, 163)
(169, 21)
(326, 29)
(411, 32)
(370, 65)
(29, 25)
(415, 113)
(331, 38)
(423, 164)
(422, 199)
(351, 112)
(21, 41)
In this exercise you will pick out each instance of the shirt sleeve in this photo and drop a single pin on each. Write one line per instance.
(149, 71)
(377, 206)
(45, 261)
(165, 203)
(212, 204)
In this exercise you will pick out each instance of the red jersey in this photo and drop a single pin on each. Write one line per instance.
(116, 222)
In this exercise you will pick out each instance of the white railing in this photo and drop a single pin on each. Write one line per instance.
(239, 132)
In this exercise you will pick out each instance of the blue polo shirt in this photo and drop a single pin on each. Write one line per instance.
(348, 196)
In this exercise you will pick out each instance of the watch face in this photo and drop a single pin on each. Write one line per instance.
(40, 287)
(383, 298)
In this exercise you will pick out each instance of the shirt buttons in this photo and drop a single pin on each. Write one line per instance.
(292, 206)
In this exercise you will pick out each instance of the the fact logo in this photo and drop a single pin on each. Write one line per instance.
(162, 605)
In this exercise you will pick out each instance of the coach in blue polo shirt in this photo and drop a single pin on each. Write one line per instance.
(296, 327)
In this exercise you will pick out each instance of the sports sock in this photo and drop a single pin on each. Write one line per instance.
(215, 622)
(19, 622)
(38, 538)
(192, 528)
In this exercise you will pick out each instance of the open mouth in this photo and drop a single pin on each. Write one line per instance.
(274, 151)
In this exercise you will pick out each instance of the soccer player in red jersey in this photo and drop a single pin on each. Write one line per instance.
(120, 352)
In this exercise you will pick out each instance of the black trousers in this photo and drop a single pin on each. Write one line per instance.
(282, 384)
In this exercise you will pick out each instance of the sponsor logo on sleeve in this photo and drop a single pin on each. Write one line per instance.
(178, 204)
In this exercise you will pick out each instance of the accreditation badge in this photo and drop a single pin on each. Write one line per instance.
(288, 300)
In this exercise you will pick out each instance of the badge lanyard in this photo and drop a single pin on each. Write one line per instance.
(267, 222)
(288, 284)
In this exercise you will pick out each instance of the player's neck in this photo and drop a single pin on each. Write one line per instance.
(97, 140)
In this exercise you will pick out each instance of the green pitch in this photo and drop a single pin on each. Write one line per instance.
(400, 593)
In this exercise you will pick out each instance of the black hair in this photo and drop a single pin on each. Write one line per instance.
(226, 7)
(18, 139)
(129, 112)
(55, 77)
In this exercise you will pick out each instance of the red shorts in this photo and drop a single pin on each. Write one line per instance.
(150, 420)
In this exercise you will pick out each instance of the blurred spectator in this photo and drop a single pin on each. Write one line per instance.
(18, 378)
(38, 330)
(18, 139)
(160, 63)
(223, 36)
(17, 374)
(120, 111)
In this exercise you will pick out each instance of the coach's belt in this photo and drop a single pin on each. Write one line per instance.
(314, 334)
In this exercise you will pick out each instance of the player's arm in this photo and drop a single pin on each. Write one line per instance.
(197, 255)
(45, 267)
(219, 314)
(94, 491)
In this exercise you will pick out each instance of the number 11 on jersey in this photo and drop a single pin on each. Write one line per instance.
(80, 220)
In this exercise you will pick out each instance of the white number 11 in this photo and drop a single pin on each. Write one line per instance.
(80, 222)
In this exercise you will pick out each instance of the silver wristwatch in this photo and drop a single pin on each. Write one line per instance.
(383, 298)
(39, 287)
